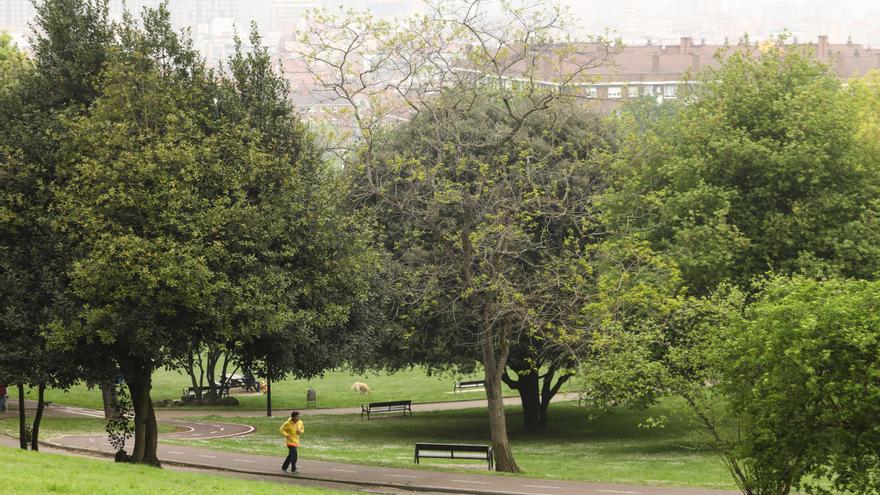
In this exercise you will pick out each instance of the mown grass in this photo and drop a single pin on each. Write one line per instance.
(611, 447)
(26, 472)
(333, 390)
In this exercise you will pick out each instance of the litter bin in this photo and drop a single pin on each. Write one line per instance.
(311, 400)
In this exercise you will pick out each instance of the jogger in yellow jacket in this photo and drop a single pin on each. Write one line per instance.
(291, 430)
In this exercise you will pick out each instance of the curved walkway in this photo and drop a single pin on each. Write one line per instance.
(186, 430)
(397, 478)
(169, 413)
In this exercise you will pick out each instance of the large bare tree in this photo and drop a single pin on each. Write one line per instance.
(440, 70)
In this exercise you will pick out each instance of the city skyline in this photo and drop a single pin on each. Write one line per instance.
(212, 22)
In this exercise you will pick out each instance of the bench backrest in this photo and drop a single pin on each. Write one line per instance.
(392, 403)
(473, 382)
(452, 446)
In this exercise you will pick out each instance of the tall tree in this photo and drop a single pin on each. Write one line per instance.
(500, 252)
(71, 42)
(320, 246)
(761, 170)
(197, 202)
(764, 168)
(505, 62)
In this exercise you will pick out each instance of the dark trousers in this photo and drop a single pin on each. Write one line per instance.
(291, 459)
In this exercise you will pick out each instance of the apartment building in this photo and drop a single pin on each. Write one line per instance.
(660, 71)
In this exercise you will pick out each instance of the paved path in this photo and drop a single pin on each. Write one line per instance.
(398, 478)
(290, 480)
(168, 413)
(384, 479)
(186, 430)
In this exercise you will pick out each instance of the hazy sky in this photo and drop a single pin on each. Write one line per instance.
(663, 21)
(859, 18)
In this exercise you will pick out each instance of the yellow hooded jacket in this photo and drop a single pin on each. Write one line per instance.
(291, 431)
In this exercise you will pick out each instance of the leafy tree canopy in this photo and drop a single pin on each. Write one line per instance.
(800, 370)
(761, 169)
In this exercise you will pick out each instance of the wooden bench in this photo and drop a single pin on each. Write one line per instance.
(387, 407)
(460, 385)
(455, 451)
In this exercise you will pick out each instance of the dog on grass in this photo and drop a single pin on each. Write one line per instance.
(361, 387)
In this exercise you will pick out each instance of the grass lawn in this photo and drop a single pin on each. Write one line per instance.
(609, 448)
(332, 390)
(54, 426)
(33, 472)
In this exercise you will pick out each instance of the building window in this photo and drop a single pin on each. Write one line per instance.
(669, 91)
(592, 92)
(632, 91)
(614, 92)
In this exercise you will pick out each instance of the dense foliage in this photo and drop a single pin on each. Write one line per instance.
(155, 206)
(761, 169)
(800, 370)
(722, 248)
(768, 166)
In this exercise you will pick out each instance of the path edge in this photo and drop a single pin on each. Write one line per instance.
(399, 486)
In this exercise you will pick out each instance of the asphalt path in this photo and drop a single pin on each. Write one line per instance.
(370, 478)
(188, 412)
(373, 476)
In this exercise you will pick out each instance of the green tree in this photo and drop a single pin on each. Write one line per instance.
(325, 255)
(434, 70)
(203, 216)
(800, 370)
(866, 91)
(71, 40)
(760, 170)
(763, 168)
(501, 252)
(11, 61)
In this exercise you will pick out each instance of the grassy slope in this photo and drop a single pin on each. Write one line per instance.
(610, 448)
(332, 390)
(31, 472)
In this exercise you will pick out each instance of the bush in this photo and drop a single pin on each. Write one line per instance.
(802, 373)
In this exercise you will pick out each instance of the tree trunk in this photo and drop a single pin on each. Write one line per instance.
(224, 380)
(22, 424)
(268, 396)
(211, 375)
(548, 390)
(38, 417)
(190, 368)
(495, 363)
(108, 396)
(140, 423)
(151, 456)
(527, 386)
(146, 433)
(535, 391)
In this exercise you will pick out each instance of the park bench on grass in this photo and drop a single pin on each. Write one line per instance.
(191, 392)
(387, 407)
(455, 451)
(468, 384)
